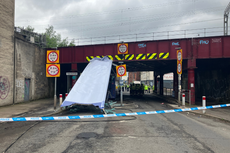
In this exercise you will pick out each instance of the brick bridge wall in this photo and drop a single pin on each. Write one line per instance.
(6, 51)
(31, 80)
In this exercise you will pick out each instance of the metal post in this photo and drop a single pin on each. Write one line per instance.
(121, 95)
(189, 97)
(179, 80)
(67, 90)
(204, 104)
(55, 90)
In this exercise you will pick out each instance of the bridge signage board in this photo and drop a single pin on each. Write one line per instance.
(121, 70)
(52, 56)
(179, 61)
(122, 48)
(52, 70)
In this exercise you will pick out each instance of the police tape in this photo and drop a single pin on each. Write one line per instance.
(107, 115)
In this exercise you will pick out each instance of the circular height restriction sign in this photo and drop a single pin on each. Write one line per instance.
(121, 70)
(52, 70)
(179, 55)
(52, 56)
(122, 48)
(179, 68)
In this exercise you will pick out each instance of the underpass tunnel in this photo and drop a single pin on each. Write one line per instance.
(160, 68)
(209, 76)
(66, 82)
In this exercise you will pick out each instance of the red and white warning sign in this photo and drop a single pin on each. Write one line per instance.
(52, 70)
(52, 56)
(122, 48)
(121, 70)
(179, 61)
(179, 68)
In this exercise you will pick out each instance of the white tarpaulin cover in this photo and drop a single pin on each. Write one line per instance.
(91, 87)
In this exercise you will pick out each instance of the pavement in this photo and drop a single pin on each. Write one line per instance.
(39, 108)
(218, 113)
(45, 107)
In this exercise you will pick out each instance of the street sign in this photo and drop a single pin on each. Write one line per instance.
(52, 70)
(179, 61)
(179, 68)
(52, 56)
(121, 82)
(179, 55)
(121, 70)
(71, 73)
(122, 48)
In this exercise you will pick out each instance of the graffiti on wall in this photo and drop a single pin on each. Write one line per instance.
(20, 87)
(4, 87)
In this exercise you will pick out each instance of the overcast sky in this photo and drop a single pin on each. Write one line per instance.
(78, 19)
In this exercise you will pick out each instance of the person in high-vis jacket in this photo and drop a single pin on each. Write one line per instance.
(149, 87)
(146, 88)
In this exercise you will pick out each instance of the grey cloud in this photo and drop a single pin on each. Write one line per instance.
(83, 19)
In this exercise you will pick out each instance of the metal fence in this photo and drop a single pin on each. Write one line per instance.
(168, 91)
(39, 39)
(187, 95)
(176, 34)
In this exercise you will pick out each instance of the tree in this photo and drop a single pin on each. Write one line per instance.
(54, 40)
(29, 28)
(72, 43)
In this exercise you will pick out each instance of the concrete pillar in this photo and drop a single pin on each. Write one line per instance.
(191, 78)
(175, 84)
(191, 84)
(161, 84)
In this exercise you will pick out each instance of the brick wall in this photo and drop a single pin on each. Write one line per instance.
(31, 80)
(133, 76)
(6, 51)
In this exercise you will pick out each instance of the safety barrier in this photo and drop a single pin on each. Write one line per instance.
(108, 115)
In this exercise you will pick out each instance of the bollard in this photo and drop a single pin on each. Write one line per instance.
(66, 94)
(60, 99)
(183, 99)
(204, 103)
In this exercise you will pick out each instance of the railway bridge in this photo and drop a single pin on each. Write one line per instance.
(205, 63)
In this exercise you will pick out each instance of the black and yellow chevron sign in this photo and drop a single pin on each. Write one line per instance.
(88, 58)
(163, 55)
(129, 57)
(110, 57)
(140, 57)
(119, 57)
(99, 56)
(152, 56)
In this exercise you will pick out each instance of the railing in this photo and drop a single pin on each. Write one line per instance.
(168, 91)
(189, 33)
(32, 37)
(187, 95)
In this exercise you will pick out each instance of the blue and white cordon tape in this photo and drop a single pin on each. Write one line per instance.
(108, 115)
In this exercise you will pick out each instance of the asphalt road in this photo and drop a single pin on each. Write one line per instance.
(168, 133)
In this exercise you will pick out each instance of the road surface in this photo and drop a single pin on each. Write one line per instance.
(168, 133)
